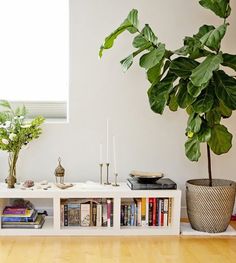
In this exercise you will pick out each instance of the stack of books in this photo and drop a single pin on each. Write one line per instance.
(21, 217)
(163, 183)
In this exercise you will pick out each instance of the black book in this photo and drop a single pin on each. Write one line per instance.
(163, 183)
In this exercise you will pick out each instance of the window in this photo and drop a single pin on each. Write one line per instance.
(34, 54)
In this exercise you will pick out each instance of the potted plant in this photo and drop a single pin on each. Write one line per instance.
(192, 78)
(16, 133)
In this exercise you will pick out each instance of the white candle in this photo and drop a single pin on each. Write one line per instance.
(114, 154)
(100, 154)
(107, 141)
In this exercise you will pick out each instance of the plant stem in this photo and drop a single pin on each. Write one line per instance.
(209, 164)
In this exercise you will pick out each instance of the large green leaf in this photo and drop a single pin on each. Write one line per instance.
(225, 89)
(213, 38)
(149, 35)
(194, 48)
(153, 57)
(127, 62)
(192, 149)
(132, 18)
(204, 134)
(203, 103)
(184, 99)
(193, 45)
(154, 73)
(213, 117)
(221, 139)
(203, 73)
(220, 7)
(224, 110)
(194, 123)
(131, 22)
(195, 91)
(139, 41)
(159, 93)
(183, 67)
(172, 103)
(229, 60)
(203, 30)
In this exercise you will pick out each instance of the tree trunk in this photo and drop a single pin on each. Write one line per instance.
(209, 164)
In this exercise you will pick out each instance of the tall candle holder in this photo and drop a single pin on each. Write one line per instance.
(116, 184)
(107, 182)
(101, 165)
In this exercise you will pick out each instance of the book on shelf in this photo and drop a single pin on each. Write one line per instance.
(88, 212)
(29, 217)
(73, 214)
(85, 214)
(144, 212)
(13, 210)
(38, 223)
(163, 183)
(28, 213)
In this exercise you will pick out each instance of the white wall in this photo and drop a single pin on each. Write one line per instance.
(99, 89)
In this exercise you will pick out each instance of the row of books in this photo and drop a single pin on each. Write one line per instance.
(21, 217)
(87, 212)
(146, 212)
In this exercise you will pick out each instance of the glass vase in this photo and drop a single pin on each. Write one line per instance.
(12, 160)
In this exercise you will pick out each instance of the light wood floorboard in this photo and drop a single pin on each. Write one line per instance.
(162, 249)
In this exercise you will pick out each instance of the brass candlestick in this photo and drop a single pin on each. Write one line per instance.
(107, 182)
(116, 184)
(101, 165)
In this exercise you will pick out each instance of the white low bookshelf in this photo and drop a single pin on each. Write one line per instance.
(54, 195)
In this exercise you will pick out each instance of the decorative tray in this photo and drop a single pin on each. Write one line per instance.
(146, 177)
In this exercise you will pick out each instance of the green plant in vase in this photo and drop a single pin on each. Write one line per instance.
(16, 133)
(192, 78)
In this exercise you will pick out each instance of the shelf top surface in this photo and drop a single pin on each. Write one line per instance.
(91, 188)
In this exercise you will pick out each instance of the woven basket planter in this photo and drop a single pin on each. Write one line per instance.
(210, 208)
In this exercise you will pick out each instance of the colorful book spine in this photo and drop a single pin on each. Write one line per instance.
(99, 215)
(104, 214)
(169, 211)
(162, 212)
(143, 211)
(10, 210)
(94, 214)
(165, 211)
(85, 215)
(132, 221)
(147, 211)
(108, 213)
(150, 211)
(62, 215)
(65, 214)
(154, 212)
(159, 211)
(122, 215)
(129, 215)
(73, 214)
(139, 216)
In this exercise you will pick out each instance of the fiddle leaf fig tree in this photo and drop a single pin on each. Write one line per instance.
(191, 78)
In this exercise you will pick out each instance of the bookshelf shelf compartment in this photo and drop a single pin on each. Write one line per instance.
(52, 200)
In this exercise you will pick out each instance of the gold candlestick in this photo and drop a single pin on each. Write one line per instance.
(107, 182)
(116, 184)
(101, 165)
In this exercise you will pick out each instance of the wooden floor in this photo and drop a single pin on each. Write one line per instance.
(118, 249)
